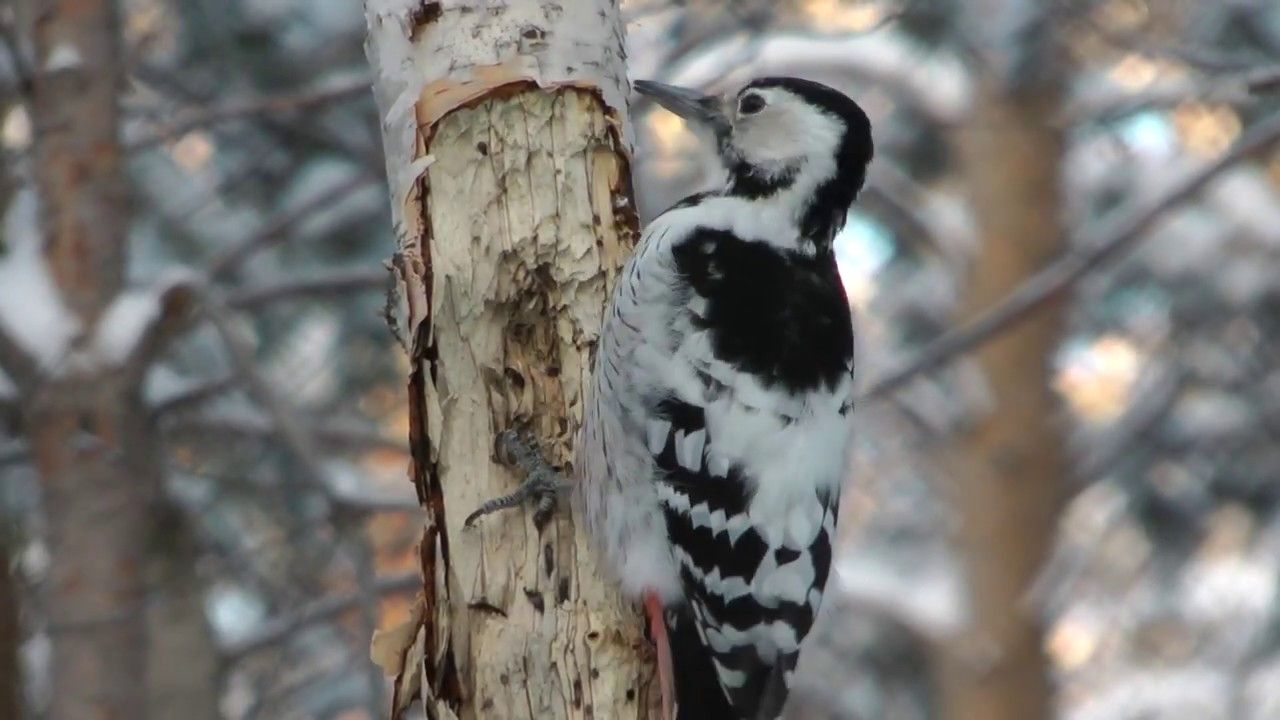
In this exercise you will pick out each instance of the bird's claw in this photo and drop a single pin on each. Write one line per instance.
(542, 483)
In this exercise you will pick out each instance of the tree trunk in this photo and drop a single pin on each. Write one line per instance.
(78, 162)
(96, 456)
(92, 443)
(182, 652)
(507, 151)
(1009, 471)
(10, 637)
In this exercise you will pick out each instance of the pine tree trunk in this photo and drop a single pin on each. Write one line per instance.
(11, 677)
(10, 637)
(507, 140)
(182, 652)
(1008, 467)
(89, 433)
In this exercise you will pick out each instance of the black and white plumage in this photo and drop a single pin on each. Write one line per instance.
(717, 429)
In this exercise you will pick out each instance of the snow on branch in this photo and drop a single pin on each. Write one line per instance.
(40, 335)
(124, 324)
(36, 326)
(137, 324)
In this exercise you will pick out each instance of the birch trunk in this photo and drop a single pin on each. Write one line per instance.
(507, 143)
(1009, 466)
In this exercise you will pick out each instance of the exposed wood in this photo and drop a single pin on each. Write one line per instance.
(507, 149)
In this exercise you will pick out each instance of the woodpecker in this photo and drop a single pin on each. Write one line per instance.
(717, 428)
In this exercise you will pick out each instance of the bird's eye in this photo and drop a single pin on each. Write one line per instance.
(750, 104)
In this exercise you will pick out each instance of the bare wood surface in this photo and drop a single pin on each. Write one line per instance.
(507, 147)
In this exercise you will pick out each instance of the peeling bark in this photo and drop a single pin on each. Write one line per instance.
(507, 150)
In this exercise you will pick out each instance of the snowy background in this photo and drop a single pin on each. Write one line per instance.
(254, 156)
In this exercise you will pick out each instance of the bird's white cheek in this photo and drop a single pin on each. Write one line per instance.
(764, 147)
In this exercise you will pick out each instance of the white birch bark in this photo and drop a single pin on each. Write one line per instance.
(507, 149)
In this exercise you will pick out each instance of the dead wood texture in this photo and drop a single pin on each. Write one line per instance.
(507, 153)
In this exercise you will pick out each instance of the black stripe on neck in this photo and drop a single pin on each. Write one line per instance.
(826, 213)
(750, 182)
(823, 215)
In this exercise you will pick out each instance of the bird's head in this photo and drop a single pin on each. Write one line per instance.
(802, 141)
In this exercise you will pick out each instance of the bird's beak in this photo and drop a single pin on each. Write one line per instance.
(688, 104)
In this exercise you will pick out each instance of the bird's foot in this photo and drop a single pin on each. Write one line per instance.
(542, 484)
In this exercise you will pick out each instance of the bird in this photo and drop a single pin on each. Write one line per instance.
(718, 421)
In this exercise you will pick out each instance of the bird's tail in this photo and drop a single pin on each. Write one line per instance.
(698, 692)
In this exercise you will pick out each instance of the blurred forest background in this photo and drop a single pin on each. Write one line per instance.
(1114, 454)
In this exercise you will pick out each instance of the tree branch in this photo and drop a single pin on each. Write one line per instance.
(362, 557)
(332, 435)
(341, 281)
(285, 423)
(1114, 234)
(915, 210)
(1263, 79)
(212, 115)
(24, 74)
(1201, 57)
(275, 230)
(281, 627)
(14, 455)
(193, 395)
(1233, 88)
(1149, 408)
(282, 132)
(134, 335)
(22, 367)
